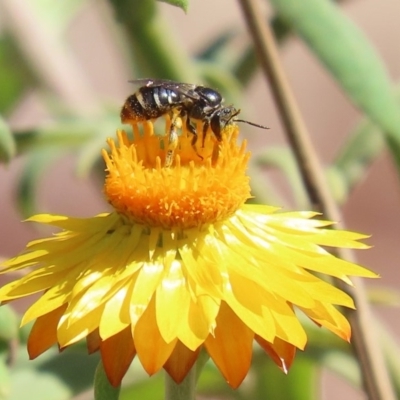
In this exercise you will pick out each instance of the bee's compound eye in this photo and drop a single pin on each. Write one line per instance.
(226, 112)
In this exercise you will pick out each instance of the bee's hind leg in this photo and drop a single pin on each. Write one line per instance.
(193, 131)
(176, 123)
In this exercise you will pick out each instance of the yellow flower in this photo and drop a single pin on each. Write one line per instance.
(182, 264)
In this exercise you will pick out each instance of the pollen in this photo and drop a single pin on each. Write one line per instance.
(185, 184)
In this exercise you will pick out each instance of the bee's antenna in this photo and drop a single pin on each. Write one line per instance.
(251, 123)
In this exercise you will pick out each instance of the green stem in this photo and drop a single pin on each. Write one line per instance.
(156, 52)
(182, 391)
(103, 390)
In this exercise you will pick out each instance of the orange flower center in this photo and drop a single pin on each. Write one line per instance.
(182, 185)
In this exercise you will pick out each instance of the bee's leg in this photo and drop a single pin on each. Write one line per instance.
(193, 131)
(206, 124)
(176, 123)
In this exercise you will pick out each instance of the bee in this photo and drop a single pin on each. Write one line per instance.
(181, 101)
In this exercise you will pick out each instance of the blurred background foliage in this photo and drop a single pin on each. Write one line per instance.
(36, 57)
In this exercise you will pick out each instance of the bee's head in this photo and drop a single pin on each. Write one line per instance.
(221, 118)
(225, 116)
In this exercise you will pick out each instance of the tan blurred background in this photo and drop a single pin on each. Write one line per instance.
(373, 208)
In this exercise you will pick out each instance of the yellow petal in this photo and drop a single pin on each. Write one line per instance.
(151, 348)
(44, 333)
(201, 320)
(71, 333)
(117, 353)
(116, 314)
(206, 274)
(145, 286)
(329, 317)
(281, 352)
(93, 341)
(231, 346)
(288, 327)
(172, 302)
(246, 299)
(180, 362)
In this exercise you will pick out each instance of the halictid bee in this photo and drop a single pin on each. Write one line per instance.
(157, 97)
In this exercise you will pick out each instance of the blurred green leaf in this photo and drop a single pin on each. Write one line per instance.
(247, 65)
(177, 3)
(52, 376)
(62, 135)
(217, 45)
(212, 384)
(15, 74)
(262, 188)
(7, 143)
(27, 185)
(299, 384)
(57, 15)
(282, 159)
(73, 367)
(90, 152)
(338, 184)
(90, 157)
(5, 381)
(342, 364)
(327, 350)
(9, 323)
(154, 50)
(360, 150)
(24, 332)
(364, 145)
(343, 48)
(47, 143)
(29, 384)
